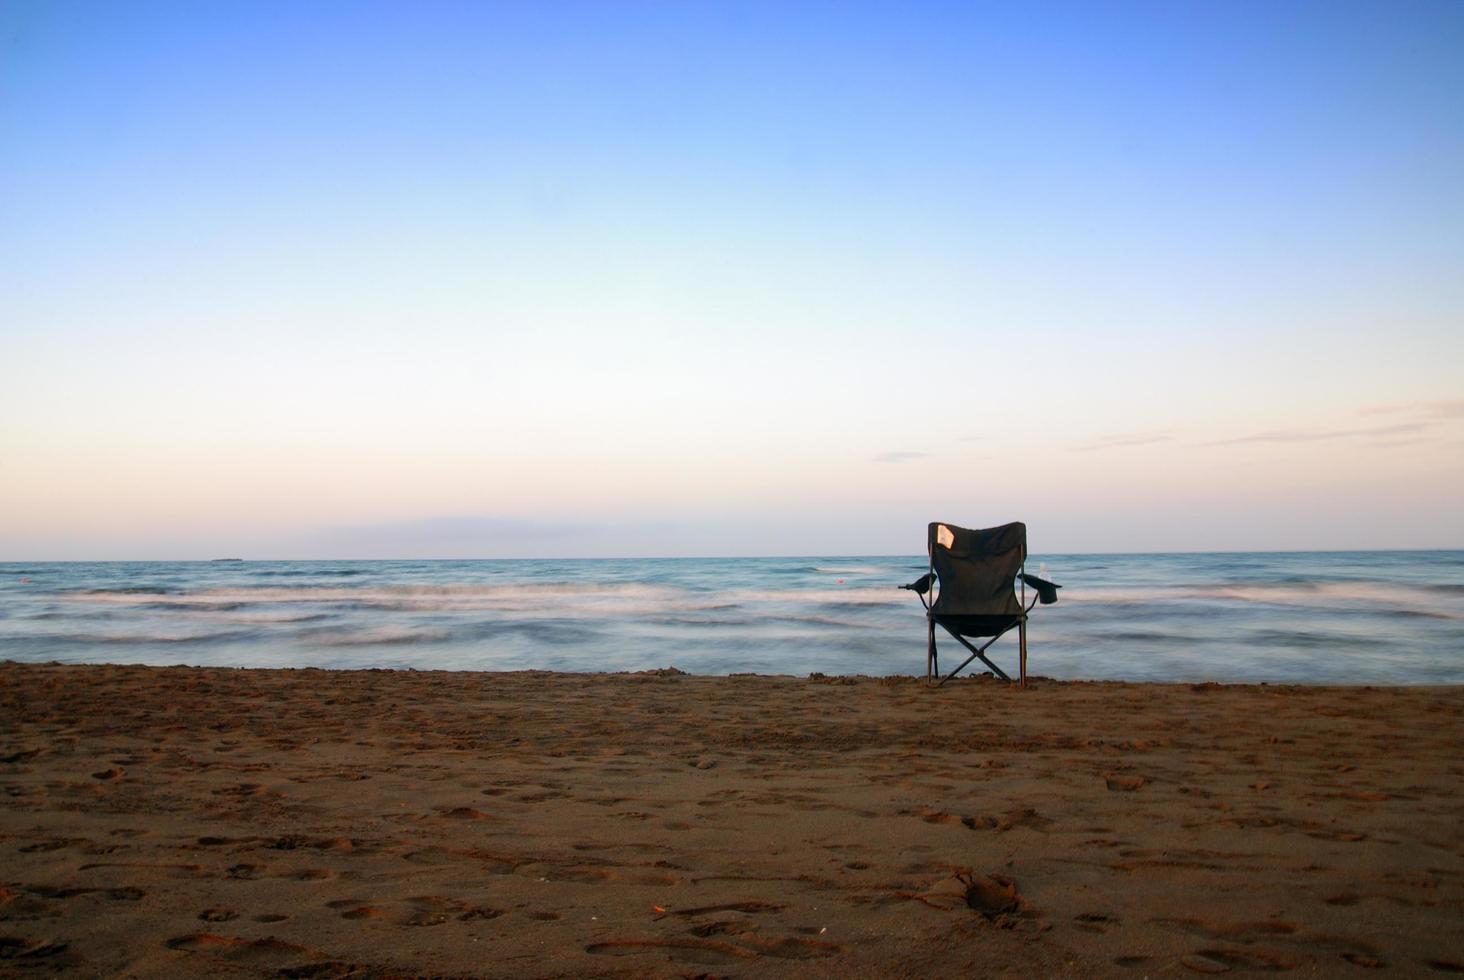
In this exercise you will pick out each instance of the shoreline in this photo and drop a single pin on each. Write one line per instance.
(379, 822)
(1033, 680)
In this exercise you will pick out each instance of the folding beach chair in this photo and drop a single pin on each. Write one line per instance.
(974, 575)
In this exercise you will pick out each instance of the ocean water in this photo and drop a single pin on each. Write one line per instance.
(1351, 618)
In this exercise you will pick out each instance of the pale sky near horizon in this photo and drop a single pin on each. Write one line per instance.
(574, 279)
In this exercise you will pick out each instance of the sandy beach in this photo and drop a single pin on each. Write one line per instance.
(305, 823)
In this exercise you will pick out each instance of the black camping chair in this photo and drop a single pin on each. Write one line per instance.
(975, 575)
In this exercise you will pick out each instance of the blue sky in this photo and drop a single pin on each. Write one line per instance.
(359, 280)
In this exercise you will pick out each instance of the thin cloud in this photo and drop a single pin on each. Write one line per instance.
(1124, 440)
(1321, 435)
(897, 457)
(1449, 409)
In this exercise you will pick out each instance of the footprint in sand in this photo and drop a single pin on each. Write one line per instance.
(363, 912)
(55, 844)
(1345, 836)
(292, 842)
(1245, 932)
(42, 953)
(1364, 960)
(268, 953)
(713, 952)
(542, 796)
(432, 910)
(312, 874)
(1095, 921)
(724, 927)
(1224, 960)
(792, 948)
(462, 813)
(1118, 783)
(1012, 818)
(699, 952)
(56, 891)
(175, 870)
(355, 909)
(748, 906)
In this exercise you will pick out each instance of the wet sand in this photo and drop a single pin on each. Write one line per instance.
(182, 821)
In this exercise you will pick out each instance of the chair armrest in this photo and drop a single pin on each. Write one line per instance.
(921, 585)
(1046, 591)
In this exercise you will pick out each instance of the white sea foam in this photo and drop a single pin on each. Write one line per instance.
(166, 636)
(243, 604)
(1375, 596)
(246, 617)
(377, 635)
(560, 598)
(852, 595)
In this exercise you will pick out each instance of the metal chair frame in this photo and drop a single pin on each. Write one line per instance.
(1044, 592)
(932, 655)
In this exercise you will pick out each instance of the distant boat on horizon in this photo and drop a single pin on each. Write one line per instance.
(226, 559)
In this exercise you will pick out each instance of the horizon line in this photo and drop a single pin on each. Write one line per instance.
(790, 557)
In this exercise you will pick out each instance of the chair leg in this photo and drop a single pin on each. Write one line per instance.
(1022, 643)
(932, 659)
(976, 652)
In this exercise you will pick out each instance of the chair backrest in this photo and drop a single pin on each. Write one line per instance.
(977, 569)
